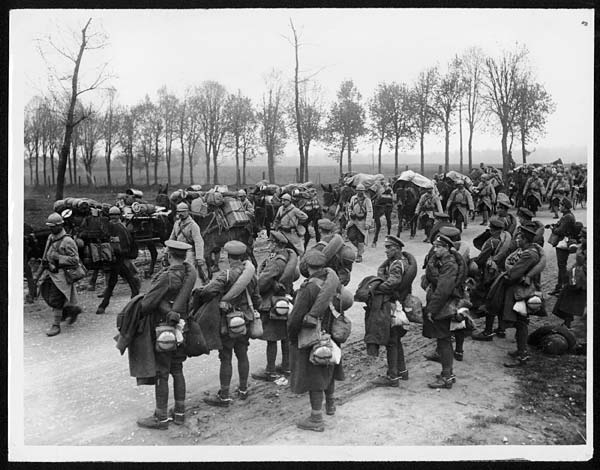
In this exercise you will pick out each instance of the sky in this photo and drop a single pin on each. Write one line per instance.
(179, 48)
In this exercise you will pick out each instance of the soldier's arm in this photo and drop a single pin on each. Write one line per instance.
(198, 242)
(391, 284)
(69, 255)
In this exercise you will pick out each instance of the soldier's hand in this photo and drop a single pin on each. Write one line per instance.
(173, 318)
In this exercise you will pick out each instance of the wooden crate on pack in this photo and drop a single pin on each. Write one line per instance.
(234, 212)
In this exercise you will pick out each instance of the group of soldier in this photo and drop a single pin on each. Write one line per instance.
(511, 259)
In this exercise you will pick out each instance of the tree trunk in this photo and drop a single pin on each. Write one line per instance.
(208, 165)
(30, 161)
(244, 167)
(215, 167)
(306, 147)
(447, 147)
(297, 107)
(523, 149)
(52, 164)
(460, 135)
(237, 161)
(108, 178)
(44, 159)
(70, 125)
(147, 174)
(422, 144)
(74, 156)
(156, 161)
(37, 166)
(182, 163)
(349, 155)
(396, 145)
(505, 161)
(379, 154)
(271, 164)
(191, 163)
(470, 147)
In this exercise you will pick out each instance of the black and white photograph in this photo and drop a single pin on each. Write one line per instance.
(313, 234)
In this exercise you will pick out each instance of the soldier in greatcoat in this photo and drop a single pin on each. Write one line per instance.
(460, 205)
(288, 221)
(360, 220)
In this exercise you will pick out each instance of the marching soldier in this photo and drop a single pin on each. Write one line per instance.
(487, 197)
(426, 209)
(360, 220)
(525, 217)
(289, 221)
(186, 230)
(459, 205)
(125, 250)
(57, 291)
(510, 220)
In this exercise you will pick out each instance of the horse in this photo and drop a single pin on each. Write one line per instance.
(331, 198)
(407, 199)
(383, 204)
(213, 228)
(444, 189)
(265, 208)
(311, 207)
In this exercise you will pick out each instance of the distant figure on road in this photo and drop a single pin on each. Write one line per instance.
(360, 220)
(56, 289)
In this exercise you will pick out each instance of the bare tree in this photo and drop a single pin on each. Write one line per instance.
(501, 96)
(534, 106)
(401, 128)
(347, 118)
(472, 70)
(91, 133)
(297, 110)
(109, 130)
(167, 107)
(446, 97)
(86, 42)
(423, 93)
(272, 125)
(379, 112)
(239, 116)
(126, 136)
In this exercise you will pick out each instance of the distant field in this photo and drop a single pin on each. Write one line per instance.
(283, 174)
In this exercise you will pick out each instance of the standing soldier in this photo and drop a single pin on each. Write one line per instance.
(564, 228)
(289, 221)
(518, 264)
(275, 281)
(534, 186)
(234, 336)
(165, 303)
(441, 220)
(426, 209)
(558, 190)
(510, 221)
(57, 291)
(317, 380)
(398, 272)
(525, 217)
(360, 220)
(125, 250)
(460, 205)
(487, 197)
(441, 282)
(186, 230)
(339, 256)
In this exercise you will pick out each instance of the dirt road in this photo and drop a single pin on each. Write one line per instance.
(77, 389)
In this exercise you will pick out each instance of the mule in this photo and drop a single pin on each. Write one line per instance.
(407, 199)
(382, 207)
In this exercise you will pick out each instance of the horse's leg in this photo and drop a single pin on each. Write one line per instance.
(316, 227)
(92, 282)
(30, 284)
(388, 218)
(400, 219)
(153, 256)
(377, 227)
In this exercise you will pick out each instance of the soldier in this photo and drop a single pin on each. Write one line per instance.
(360, 220)
(124, 249)
(57, 291)
(276, 276)
(441, 220)
(487, 197)
(441, 282)
(246, 204)
(426, 209)
(289, 222)
(518, 265)
(525, 217)
(317, 380)
(233, 340)
(534, 186)
(564, 228)
(460, 205)
(187, 230)
(398, 272)
(510, 220)
(491, 262)
(339, 256)
(559, 188)
(171, 284)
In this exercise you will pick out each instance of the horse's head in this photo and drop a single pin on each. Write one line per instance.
(346, 192)
(331, 195)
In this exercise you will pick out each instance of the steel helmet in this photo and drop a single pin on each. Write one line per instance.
(241, 192)
(286, 197)
(54, 219)
(114, 210)
(182, 206)
(360, 187)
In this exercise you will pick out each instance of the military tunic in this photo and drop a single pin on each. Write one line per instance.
(289, 222)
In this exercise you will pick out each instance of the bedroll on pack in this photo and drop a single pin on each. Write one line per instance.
(234, 212)
(214, 199)
(134, 192)
(143, 209)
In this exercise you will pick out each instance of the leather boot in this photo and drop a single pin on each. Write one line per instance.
(265, 376)
(442, 382)
(359, 253)
(177, 414)
(312, 423)
(53, 331)
(330, 406)
(153, 422)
